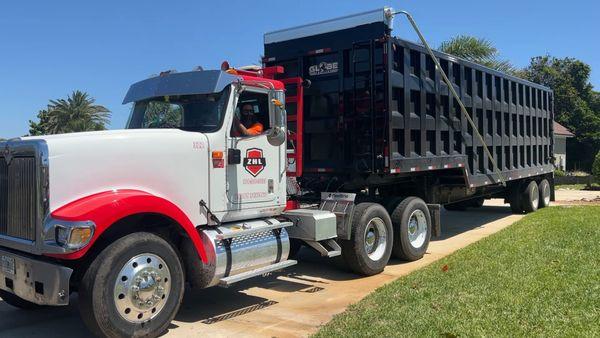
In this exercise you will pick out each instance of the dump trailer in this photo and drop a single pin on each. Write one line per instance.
(347, 141)
(377, 116)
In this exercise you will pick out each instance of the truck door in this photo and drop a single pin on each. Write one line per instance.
(259, 179)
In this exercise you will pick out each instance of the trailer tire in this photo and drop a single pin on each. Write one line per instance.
(516, 200)
(392, 203)
(18, 302)
(531, 197)
(412, 229)
(545, 192)
(370, 246)
(133, 288)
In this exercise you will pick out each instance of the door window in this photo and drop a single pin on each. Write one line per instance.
(251, 115)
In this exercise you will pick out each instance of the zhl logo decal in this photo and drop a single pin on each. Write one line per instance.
(254, 162)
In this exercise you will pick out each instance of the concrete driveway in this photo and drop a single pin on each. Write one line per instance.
(294, 302)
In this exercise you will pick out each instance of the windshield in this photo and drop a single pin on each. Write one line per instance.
(203, 113)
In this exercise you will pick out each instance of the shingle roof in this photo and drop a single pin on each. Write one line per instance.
(559, 129)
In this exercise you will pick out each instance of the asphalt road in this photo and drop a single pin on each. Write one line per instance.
(294, 302)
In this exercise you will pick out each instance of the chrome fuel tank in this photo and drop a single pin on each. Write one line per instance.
(237, 247)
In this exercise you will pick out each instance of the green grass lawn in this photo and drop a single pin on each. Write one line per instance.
(540, 276)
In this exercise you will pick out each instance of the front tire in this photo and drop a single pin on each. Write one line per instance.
(412, 229)
(133, 288)
(370, 247)
(18, 302)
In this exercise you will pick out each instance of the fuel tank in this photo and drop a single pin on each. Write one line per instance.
(237, 247)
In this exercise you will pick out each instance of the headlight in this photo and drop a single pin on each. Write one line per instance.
(64, 236)
(73, 237)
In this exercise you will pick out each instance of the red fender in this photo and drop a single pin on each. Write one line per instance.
(106, 208)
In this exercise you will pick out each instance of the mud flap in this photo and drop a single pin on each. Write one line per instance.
(436, 226)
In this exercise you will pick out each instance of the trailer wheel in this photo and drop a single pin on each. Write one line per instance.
(531, 197)
(515, 199)
(412, 229)
(133, 288)
(370, 247)
(392, 203)
(18, 302)
(544, 188)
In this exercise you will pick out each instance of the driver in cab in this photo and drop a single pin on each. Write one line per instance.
(247, 124)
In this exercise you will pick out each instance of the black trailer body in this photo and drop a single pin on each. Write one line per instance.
(377, 106)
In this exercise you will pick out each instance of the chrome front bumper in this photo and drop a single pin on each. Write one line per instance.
(34, 280)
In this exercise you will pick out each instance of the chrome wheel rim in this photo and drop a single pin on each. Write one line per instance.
(375, 238)
(536, 196)
(417, 228)
(142, 288)
(546, 194)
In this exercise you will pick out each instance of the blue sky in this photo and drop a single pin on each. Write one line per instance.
(50, 48)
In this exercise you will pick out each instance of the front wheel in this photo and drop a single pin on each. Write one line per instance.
(133, 288)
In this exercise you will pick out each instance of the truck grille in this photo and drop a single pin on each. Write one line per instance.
(18, 198)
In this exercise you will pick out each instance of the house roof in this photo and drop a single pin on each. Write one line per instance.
(559, 129)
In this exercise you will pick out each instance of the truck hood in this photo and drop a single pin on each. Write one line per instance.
(168, 163)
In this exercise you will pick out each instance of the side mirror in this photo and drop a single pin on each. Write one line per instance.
(276, 136)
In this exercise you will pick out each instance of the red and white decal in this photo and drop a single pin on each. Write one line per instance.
(254, 162)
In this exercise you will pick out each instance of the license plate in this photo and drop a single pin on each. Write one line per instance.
(8, 265)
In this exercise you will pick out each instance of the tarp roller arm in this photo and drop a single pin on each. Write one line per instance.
(454, 94)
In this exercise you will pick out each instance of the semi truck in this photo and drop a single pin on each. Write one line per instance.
(365, 137)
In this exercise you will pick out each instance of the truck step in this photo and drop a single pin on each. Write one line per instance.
(252, 230)
(228, 281)
(333, 250)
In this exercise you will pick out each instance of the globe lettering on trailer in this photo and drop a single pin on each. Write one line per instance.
(254, 162)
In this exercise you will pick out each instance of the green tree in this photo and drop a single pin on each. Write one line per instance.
(478, 50)
(596, 167)
(162, 115)
(75, 114)
(39, 128)
(576, 104)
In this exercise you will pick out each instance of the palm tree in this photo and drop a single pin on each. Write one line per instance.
(77, 113)
(478, 50)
